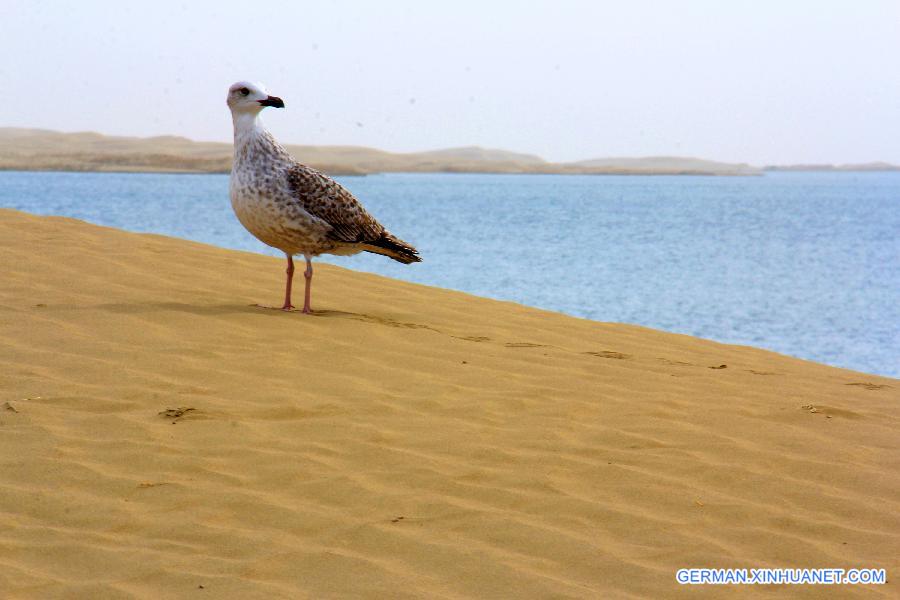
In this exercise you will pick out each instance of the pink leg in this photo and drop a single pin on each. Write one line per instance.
(308, 275)
(290, 279)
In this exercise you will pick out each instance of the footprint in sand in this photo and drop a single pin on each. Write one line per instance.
(387, 321)
(391, 323)
(676, 363)
(830, 412)
(176, 413)
(365, 319)
(870, 386)
(609, 354)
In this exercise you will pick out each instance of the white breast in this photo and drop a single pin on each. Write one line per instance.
(262, 199)
(269, 214)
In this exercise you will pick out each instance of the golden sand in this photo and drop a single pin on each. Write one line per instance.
(160, 437)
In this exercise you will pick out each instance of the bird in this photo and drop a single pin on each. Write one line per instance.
(293, 207)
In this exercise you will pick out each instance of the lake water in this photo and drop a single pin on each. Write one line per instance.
(807, 264)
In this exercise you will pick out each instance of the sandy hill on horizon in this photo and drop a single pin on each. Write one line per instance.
(162, 436)
(40, 149)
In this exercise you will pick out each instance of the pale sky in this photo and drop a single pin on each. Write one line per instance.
(758, 81)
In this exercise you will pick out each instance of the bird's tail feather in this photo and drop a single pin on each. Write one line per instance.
(393, 247)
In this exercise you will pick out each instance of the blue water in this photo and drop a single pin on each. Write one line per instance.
(807, 264)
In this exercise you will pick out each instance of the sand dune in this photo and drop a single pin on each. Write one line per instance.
(39, 149)
(405, 442)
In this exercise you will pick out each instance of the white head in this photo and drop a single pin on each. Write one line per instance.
(250, 98)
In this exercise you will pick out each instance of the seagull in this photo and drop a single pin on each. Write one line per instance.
(292, 207)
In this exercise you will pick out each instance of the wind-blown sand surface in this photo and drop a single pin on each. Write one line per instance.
(406, 441)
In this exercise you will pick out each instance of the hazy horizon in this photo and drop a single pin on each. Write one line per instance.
(760, 83)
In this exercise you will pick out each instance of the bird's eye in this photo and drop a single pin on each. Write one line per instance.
(245, 91)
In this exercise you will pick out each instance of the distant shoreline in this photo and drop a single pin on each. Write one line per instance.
(864, 168)
(334, 173)
(148, 171)
(45, 150)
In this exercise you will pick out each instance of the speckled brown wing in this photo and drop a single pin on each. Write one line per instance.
(326, 199)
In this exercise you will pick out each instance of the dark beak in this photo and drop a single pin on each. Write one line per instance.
(273, 101)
